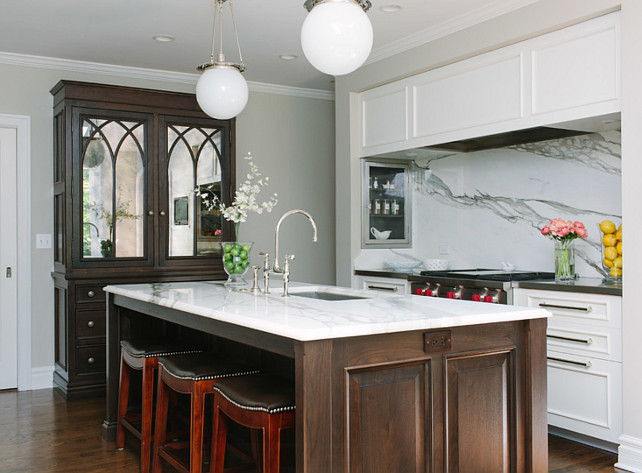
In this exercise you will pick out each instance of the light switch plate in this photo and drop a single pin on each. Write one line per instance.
(443, 249)
(43, 240)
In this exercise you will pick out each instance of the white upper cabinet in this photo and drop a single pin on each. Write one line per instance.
(479, 91)
(385, 115)
(566, 75)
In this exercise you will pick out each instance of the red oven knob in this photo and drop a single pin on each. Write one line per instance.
(428, 292)
(418, 291)
(488, 298)
(476, 298)
(450, 294)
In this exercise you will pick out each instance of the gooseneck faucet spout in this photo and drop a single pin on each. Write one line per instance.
(277, 267)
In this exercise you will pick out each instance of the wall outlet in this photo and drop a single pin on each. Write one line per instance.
(443, 249)
(43, 240)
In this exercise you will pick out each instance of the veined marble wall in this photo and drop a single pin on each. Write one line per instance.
(488, 207)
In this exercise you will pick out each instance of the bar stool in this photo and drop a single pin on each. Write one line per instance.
(194, 375)
(261, 401)
(141, 355)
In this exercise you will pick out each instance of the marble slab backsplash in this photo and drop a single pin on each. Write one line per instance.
(487, 207)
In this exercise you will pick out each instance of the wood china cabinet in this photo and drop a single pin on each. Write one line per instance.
(126, 164)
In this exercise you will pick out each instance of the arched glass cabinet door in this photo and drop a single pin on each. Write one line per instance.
(196, 166)
(113, 210)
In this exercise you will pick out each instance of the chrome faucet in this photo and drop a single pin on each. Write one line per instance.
(286, 264)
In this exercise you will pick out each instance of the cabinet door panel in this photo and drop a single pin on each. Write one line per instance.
(387, 406)
(480, 412)
(384, 116)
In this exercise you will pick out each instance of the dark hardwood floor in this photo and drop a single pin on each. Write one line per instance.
(40, 432)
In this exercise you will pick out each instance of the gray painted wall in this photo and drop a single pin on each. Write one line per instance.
(291, 137)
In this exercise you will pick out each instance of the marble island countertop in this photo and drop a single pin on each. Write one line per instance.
(306, 319)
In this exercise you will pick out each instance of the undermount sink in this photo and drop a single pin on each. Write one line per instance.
(327, 296)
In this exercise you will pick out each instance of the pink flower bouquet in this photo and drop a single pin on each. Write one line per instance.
(564, 231)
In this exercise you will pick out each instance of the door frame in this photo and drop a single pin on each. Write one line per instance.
(22, 125)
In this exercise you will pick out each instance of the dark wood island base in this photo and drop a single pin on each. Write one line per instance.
(462, 399)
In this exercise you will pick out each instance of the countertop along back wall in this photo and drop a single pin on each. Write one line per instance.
(291, 137)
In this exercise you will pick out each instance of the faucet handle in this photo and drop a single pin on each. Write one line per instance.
(286, 264)
(266, 262)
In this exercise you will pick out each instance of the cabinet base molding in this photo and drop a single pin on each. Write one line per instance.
(585, 439)
(630, 454)
(72, 392)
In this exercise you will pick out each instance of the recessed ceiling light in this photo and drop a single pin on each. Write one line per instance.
(390, 8)
(164, 38)
(288, 57)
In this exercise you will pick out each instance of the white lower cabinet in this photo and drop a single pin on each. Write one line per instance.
(584, 359)
(381, 284)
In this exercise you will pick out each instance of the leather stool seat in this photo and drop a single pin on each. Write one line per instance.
(262, 402)
(203, 366)
(142, 355)
(193, 374)
(259, 392)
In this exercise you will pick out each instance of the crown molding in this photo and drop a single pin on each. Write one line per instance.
(148, 74)
(459, 23)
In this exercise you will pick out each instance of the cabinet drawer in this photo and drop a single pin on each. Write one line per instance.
(603, 343)
(92, 293)
(90, 360)
(584, 395)
(90, 323)
(595, 310)
(388, 285)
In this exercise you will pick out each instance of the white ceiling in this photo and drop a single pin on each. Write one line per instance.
(119, 32)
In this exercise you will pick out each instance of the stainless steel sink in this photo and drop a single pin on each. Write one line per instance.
(327, 296)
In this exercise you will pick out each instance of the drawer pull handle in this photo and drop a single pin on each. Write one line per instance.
(585, 364)
(91, 294)
(569, 307)
(382, 288)
(90, 360)
(90, 324)
(587, 341)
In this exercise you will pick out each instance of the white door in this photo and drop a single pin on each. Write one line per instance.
(8, 260)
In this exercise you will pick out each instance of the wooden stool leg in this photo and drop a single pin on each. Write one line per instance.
(271, 446)
(257, 450)
(123, 401)
(219, 439)
(196, 434)
(160, 431)
(146, 416)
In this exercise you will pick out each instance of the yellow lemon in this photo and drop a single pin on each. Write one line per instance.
(617, 262)
(607, 262)
(618, 235)
(607, 226)
(615, 272)
(610, 253)
(609, 239)
(618, 247)
(620, 227)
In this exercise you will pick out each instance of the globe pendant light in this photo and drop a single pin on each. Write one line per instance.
(336, 36)
(222, 91)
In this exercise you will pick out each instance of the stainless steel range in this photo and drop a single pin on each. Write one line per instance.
(481, 285)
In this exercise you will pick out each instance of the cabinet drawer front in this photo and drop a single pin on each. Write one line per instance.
(90, 323)
(92, 293)
(576, 308)
(90, 360)
(393, 286)
(584, 395)
(602, 343)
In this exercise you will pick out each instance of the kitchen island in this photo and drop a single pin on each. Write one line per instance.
(384, 383)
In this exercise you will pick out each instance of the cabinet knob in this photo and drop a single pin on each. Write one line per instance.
(150, 213)
(91, 294)
(90, 360)
(162, 212)
(90, 324)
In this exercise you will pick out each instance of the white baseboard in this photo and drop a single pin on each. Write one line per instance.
(42, 377)
(630, 454)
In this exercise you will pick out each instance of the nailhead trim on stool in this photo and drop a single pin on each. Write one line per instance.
(142, 355)
(261, 401)
(193, 375)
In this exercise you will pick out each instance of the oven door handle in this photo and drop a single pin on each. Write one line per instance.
(568, 307)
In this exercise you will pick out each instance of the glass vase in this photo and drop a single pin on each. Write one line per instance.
(236, 261)
(564, 261)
